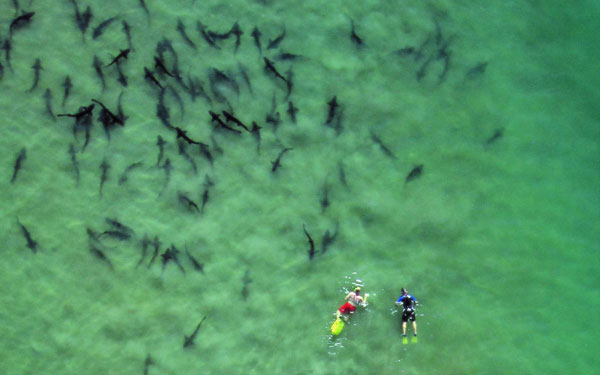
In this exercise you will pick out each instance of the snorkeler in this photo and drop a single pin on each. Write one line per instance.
(409, 303)
(353, 299)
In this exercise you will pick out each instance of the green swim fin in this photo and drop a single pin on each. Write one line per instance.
(414, 340)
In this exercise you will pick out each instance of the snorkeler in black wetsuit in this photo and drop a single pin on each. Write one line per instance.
(409, 304)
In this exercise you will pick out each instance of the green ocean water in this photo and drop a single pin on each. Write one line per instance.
(497, 240)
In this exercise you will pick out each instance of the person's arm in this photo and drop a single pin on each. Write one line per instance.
(399, 301)
(348, 296)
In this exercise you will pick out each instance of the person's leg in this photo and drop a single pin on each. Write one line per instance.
(415, 327)
(403, 328)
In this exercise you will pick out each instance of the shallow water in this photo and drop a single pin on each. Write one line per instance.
(498, 240)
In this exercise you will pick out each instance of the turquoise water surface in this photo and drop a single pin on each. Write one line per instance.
(497, 237)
